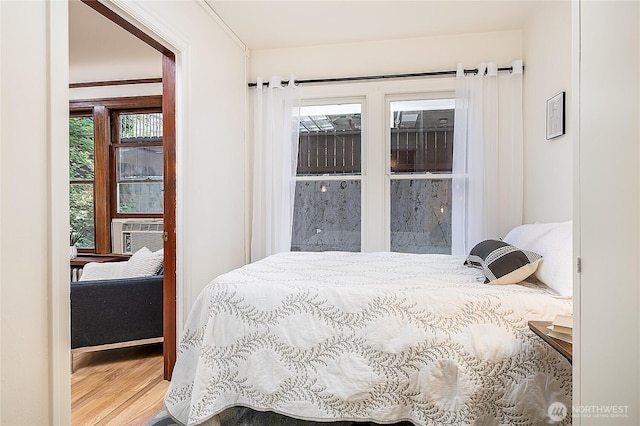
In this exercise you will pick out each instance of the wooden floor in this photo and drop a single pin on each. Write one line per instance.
(118, 386)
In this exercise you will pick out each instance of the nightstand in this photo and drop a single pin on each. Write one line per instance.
(540, 328)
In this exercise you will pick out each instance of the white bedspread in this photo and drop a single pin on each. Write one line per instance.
(382, 337)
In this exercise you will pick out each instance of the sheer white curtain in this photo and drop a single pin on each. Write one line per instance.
(275, 142)
(487, 193)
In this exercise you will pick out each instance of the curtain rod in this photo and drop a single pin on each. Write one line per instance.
(380, 77)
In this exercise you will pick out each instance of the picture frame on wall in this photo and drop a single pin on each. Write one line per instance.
(555, 116)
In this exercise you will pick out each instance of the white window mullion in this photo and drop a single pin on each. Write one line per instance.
(375, 204)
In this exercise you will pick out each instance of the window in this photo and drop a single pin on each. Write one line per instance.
(116, 165)
(328, 192)
(81, 180)
(139, 163)
(421, 146)
(397, 195)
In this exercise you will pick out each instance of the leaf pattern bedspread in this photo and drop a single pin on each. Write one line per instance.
(382, 337)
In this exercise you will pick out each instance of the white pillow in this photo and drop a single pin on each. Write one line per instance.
(554, 241)
(143, 263)
(524, 236)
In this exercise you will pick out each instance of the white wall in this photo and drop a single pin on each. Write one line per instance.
(24, 275)
(34, 281)
(384, 57)
(34, 272)
(548, 171)
(210, 116)
(608, 192)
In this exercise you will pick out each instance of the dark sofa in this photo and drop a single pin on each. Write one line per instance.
(116, 311)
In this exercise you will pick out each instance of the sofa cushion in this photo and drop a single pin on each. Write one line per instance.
(114, 311)
(102, 271)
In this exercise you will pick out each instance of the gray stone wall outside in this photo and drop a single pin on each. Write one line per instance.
(330, 220)
(421, 216)
(327, 220)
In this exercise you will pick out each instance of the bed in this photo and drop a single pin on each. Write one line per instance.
(379, 337)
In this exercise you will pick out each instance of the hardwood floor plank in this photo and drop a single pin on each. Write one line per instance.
(110, 389)
(140, 408)
(117, 386)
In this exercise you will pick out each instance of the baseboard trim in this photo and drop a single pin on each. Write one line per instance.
(114, 346)
(118, 345)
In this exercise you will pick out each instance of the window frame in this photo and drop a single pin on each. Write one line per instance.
(376, 98)
(79, 113)
(102, 110)
(389, 99)
(113, 148)
(361, 100)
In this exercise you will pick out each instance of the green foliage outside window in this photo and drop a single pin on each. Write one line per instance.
(81, 172)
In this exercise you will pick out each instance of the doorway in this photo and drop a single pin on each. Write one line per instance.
(169, 176)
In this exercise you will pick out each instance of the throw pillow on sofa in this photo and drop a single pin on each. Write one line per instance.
(143, 263)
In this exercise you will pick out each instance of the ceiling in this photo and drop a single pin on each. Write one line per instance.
(92, 35)
(286, 24)
(283, 24)
(98, 48)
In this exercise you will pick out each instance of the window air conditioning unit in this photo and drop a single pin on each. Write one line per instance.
(130, 235)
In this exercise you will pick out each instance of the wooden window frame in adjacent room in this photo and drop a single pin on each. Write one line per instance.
(113, 167)
(104, 111)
